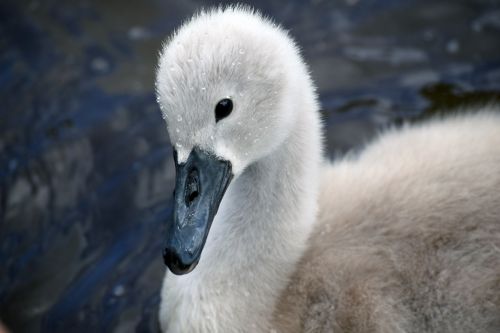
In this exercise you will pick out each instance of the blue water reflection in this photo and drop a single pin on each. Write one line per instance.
(86, 173)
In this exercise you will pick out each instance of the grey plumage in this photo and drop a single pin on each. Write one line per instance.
(408, 238)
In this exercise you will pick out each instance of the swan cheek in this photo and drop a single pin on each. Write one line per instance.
(200, 184)
(228, 154)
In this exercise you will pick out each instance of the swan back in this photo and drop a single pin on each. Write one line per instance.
(408, 236)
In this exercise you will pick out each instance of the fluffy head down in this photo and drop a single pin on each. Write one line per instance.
(229, 53)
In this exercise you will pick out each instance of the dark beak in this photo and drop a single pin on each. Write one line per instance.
(200, 185)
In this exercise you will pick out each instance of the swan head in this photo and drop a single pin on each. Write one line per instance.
(225, 84)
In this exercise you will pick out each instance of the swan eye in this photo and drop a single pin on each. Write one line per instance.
(223, 109)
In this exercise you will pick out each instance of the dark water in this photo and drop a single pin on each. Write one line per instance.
(86, 174)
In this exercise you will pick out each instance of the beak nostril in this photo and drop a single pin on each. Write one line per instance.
(192, 187)
(193, 195)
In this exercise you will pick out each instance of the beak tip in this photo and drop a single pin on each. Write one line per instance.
(176, 264)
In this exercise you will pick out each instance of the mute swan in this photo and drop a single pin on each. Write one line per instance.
(404, 237)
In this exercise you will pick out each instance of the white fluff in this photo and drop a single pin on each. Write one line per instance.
(272, 260)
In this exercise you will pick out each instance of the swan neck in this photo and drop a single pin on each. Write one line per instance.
(257, 236)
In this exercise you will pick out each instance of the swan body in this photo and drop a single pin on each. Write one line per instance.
(403, 237)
